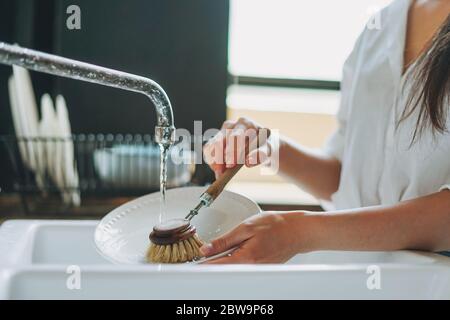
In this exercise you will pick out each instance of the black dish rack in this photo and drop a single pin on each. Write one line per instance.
(45, 198)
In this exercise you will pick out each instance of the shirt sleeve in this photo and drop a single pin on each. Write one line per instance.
(335, 144)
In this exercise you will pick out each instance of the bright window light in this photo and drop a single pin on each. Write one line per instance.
(296, 39)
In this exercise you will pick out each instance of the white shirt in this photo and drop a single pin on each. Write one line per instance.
(379, 167)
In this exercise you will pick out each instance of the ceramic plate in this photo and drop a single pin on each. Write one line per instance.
(68, 167)
(122, 235)
(25, 102)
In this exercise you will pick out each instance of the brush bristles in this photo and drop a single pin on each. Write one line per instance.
(183, 251)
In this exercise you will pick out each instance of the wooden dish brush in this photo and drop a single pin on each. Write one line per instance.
(176, 241)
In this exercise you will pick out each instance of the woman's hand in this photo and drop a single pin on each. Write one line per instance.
(238, 142)
(269, 237)
(417, 224)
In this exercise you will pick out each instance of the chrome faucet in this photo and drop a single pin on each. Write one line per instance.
(63, 67)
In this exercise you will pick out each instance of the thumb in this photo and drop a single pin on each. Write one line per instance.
(227, 241)
(218, 169)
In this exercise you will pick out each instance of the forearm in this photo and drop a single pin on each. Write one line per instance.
(313, 172)
(422, 224)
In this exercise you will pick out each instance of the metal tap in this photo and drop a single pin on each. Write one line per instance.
(63, 67)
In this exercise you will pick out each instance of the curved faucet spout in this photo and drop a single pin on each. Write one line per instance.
(63, 67)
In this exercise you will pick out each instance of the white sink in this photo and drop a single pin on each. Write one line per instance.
(35, 255)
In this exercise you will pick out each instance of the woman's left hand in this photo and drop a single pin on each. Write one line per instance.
(269, 237)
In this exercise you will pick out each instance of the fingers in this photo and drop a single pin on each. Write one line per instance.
(228, 124)
(229, 240)
(247, 253)
(234, 144)
(237, 144)
(243, 141)
(235, 257)
(213, 150)
(258, 156)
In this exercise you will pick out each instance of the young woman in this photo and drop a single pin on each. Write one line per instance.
(386, 170)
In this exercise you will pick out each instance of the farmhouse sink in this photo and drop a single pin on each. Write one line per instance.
(36, 257)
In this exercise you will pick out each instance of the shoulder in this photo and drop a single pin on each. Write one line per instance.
(381, 39)
(384, 28)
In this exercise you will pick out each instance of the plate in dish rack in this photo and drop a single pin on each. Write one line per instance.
(122, 235)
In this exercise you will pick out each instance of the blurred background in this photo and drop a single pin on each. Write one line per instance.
(276, 61)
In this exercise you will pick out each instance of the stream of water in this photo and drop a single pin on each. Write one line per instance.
(163, 181)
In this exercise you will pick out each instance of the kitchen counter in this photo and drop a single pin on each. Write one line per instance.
(269, 196)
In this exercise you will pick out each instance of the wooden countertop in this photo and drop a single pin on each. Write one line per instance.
(270, 196)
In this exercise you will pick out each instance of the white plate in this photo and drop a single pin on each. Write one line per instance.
(122, 235)
(67, 167)
(29, 123)
(17, 120)
(48, 128)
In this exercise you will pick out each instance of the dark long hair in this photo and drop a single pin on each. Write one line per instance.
(430, 91)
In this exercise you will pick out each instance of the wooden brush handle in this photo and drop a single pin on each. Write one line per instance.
(216, 188)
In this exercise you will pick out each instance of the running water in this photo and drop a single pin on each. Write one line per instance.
(162, 182)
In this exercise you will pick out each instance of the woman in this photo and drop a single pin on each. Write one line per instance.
(386, 169)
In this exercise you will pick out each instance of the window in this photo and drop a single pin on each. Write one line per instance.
(295, 39)
(283, 51)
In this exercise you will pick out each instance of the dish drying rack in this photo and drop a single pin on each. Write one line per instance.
(105, 166)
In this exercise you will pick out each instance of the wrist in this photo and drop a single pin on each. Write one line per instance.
(282, 145)
(307, 230)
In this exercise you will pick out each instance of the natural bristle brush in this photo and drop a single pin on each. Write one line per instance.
(176, 241)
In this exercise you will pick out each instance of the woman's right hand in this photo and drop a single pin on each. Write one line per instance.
(238, 142)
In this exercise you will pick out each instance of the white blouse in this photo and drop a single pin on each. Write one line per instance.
(379, 165)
